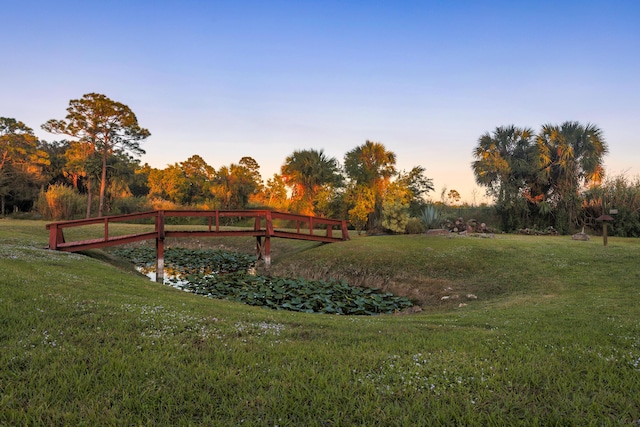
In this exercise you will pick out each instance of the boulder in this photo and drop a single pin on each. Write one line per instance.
(580, 236)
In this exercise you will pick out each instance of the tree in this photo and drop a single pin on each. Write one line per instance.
(306, 172)
(21, 161)
(419, 185)
(83, 165)
(274, 194)
(107, 126)
(168, 184)
(56, 172)
(199, 177)
(505, 164)
(570, 157)
(235, 184)
(453, 196)
(361, 200)
(371, 165)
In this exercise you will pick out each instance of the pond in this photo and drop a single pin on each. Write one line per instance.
(230, 275)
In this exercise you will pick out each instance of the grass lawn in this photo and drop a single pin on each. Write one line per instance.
(515, 330)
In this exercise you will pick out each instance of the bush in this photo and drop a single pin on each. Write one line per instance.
(395, 216)
(129, 205)
(162, 204)
(415, 226)
(61, 202)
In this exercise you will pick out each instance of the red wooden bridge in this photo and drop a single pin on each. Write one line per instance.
(300, 227)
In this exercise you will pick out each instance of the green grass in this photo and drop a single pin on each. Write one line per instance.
(553, 338)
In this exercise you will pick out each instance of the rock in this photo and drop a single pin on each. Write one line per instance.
(410, 310)
(437, 232)
(580, 236)
(471, 296)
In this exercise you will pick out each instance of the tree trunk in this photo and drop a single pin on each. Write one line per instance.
(103, 183)
(88, 198)
(2, 205)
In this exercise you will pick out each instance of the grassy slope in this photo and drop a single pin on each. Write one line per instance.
(553, 338)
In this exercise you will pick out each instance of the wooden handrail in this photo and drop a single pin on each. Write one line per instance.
(57, 238)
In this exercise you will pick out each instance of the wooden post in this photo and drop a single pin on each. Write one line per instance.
(345, 230)
(160, 247)
(605, 239)
(267, 251)
(53, 236)
(267, 239)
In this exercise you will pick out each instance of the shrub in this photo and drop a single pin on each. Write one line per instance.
(61, 202)
(395, 216)
(162, 204)
(415, 226)
(129, 205)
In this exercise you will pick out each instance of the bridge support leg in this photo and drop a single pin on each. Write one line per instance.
(263, 250)
(160, 260)
(267, 251)
(258, 248)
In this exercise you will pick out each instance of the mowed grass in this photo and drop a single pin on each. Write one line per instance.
(514, 331)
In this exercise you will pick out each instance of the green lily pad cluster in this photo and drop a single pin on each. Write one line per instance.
(223, 274)
(310, 296)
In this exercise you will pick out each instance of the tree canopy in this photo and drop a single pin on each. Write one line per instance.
(371, 166)
(539, 177)
(106, 126)
(21, 160)
(306, 172)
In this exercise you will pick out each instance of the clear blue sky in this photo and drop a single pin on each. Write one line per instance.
(264, 78)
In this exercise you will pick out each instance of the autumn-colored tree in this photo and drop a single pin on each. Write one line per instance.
(21, 161)
(107, 126)
(83, 164)
(274, 193)
(361, 201)
(306, 172)
(235, 184)
(168, 184)
(371, 165)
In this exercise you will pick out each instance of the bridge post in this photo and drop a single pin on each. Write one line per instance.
(160, 247)
(345, 230)
(267, 251)
(267, 239)
(53, 236)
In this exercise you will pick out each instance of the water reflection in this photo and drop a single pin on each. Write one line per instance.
(171, 277)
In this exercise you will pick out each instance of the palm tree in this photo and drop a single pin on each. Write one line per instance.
(306, 172)
(570, 157)
(371, 165)
(504, 165)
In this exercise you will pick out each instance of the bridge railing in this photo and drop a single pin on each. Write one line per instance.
(301, 227)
